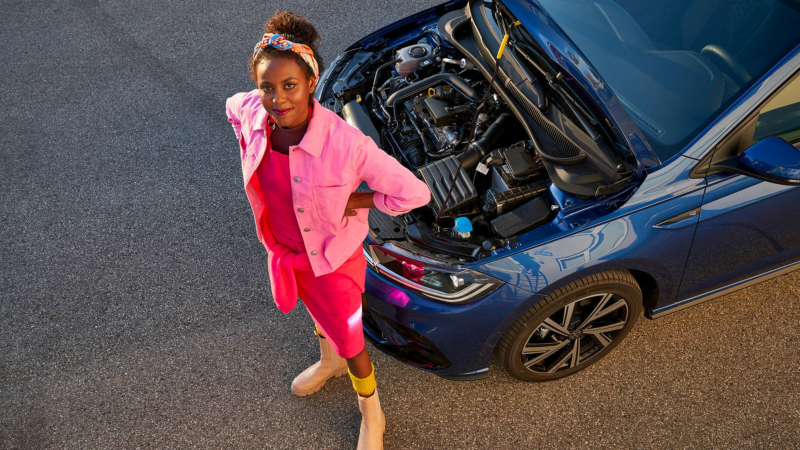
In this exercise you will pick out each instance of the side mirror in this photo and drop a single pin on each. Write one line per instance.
(773, 160)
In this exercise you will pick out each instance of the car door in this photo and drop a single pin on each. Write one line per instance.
(747, 227)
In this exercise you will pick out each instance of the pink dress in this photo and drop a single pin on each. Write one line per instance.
(334, 299)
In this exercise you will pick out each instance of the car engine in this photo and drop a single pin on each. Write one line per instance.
(418, 103)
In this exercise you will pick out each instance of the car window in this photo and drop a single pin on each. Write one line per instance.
(781, 116)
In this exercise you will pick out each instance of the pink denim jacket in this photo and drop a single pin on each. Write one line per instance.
(326, 167)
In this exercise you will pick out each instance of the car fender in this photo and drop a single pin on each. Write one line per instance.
(634, 240)
(650, 269)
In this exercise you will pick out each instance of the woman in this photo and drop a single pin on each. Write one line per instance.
(301, 165)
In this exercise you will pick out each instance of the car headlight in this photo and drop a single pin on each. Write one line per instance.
(428, 280)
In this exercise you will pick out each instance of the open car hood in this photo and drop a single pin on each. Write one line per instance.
(554, 43)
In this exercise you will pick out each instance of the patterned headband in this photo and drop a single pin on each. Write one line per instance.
(281, 43)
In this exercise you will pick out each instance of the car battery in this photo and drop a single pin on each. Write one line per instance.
(523, 218)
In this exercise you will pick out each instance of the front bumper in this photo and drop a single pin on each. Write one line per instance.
(452, 341)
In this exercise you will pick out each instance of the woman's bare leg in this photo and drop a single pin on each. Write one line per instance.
(360, 365)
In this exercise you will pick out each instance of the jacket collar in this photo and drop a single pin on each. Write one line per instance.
(316, 134)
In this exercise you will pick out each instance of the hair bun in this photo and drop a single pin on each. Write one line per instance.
(297, 29)
(293, 27)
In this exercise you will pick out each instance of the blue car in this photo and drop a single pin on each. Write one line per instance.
(588, 161)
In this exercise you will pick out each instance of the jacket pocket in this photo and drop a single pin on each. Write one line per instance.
(331, 201)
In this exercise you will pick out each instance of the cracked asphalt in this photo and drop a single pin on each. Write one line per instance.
(134, 302)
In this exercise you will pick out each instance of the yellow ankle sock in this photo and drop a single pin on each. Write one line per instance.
(364, 386)
(318, 332)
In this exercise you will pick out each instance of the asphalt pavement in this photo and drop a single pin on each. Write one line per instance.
(134, 303)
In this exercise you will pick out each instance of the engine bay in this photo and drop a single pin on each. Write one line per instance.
(419, 101)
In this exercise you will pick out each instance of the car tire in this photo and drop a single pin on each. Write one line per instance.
(572, 328)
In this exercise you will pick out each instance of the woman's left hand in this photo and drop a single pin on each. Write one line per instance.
(358, 200)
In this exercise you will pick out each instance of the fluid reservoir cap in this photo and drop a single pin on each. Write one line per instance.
(417, 52)
(463, 225)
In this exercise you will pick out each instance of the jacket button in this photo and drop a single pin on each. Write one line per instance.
(307, 230)
(300, 209)
(296, 179)
(314, 253)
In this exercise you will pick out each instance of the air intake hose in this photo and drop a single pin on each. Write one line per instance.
(452, 79)
(482, 146)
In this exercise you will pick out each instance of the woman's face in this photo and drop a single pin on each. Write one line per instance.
(284, 89)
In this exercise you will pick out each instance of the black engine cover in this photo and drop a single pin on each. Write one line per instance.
(438, 176)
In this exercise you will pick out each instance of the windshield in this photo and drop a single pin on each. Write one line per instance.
(676, 64)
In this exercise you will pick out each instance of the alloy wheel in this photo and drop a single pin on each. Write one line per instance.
(575, 334)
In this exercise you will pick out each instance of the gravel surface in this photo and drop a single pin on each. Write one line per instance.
(134, 303)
